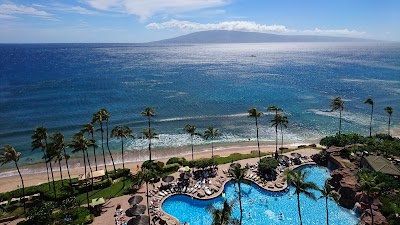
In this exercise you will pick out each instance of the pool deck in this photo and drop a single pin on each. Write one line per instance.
(107, 216)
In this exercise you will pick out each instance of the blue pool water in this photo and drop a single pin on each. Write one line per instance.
(186, 209)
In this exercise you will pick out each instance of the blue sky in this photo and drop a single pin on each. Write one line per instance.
(133, 21)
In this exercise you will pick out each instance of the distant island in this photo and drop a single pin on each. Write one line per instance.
(224, 36)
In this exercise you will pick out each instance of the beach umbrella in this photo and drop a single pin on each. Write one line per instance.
(186, 168)
(187, 175)
(137, 210)
(140, 220)
(234, 164)
(295, 154)
(98, 201)
(135, 200)
(168, 179)
(283, 158)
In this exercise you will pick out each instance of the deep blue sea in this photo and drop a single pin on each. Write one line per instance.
(60, 86)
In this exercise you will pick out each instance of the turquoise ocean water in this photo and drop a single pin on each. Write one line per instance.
(60, 86)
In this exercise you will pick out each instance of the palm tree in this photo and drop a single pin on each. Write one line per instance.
(149, 134)
(106, 117)
(191, 129)
(121, 132)
(253, 112)
(98, 117)
(369, 186)
(80, 143)
(59, 141)
(328, 193)
(284, 123)
(370, 102)
(222, 216)
(211, 133)
(149, 112)
(148, 176)
(338, 104)
(55, 149)
(297, 180)
(279, 120)
(389, 110)
(238, 176)
(89, 128)
(275, 109)
(9, 154)
(39, 141)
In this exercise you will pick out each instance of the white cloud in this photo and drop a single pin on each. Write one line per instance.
(228, 25)
(4, 16)
(11, 9)
(337, 32)
(250, 26)
(145, 9)
(78, 9)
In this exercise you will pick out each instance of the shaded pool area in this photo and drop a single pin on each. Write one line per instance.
(263, 207)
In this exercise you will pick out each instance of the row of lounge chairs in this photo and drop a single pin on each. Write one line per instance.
(22, 199)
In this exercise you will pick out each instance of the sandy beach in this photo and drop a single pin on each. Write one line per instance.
(12, 182)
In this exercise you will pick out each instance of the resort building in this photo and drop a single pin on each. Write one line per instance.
(380, 164)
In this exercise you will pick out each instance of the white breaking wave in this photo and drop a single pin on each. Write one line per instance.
(358, 118)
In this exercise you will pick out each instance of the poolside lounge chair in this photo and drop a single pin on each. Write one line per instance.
(4, 203)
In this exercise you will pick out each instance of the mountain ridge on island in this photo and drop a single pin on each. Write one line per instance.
(225, 36)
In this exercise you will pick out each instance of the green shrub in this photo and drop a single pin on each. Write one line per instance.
(267, 165)
(153, 165)
(171, 167)
(119, 173)
(182, 161)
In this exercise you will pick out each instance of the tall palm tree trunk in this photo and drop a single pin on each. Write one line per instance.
(327, 212)
(276, 141)
(370, 122)
(298, 207)
(147, 198)
(52, 177)
(389, 125)
(258, 143)
(191, 136)
(47, 168)
(23, 186)
(59, 164)
(108, 147)
(102, 148)
(212, 147)
(87, 190)
(94, 151)
(150, 147)
(340, 121)
(90, 167)
(69, 175)
(240, 204)
(281, 140)
(122, 147)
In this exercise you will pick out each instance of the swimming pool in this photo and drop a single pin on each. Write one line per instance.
(264, 207)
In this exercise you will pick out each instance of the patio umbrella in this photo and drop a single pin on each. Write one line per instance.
(98, 201)
(137, 210)
(283, 158)
(140, 220)
(234, 164)
(186, 168)
(187, 175)
(135, 200)
(295, 154)
(168, 179)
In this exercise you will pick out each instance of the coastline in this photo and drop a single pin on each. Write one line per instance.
(36, 174)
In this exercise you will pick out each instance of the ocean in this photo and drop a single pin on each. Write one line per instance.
(60, 86)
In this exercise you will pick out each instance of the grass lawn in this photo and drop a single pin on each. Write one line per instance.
(117, 189)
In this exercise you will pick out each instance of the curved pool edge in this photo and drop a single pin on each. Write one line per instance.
(219, 193)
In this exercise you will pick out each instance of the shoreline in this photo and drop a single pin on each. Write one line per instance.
(37, 172)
